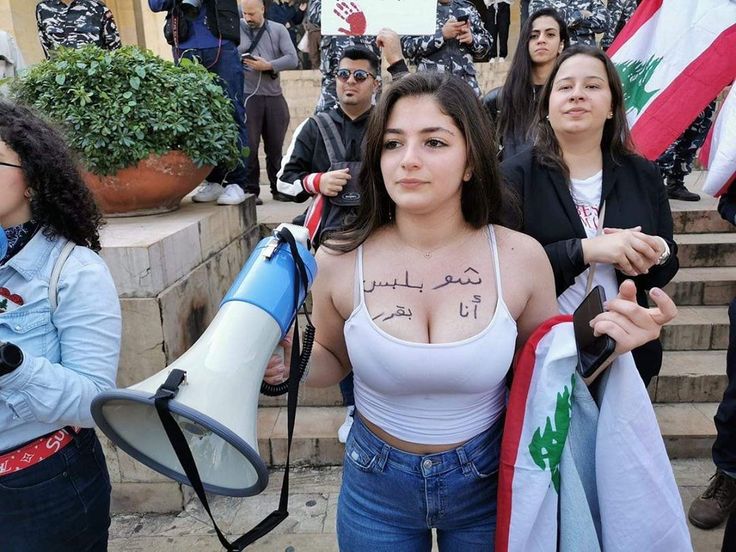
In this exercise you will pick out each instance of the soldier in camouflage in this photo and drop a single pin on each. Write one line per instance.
(454, 45)
(331, 49)
(619, 13)
(75, 23)
(677, 160)
(584, 18)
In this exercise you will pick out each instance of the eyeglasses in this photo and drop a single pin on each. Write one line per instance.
(360, 75)
(9, 165)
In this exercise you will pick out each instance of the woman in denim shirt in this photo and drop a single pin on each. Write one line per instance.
(54, 484)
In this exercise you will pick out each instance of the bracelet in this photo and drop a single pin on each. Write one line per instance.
(665, 254)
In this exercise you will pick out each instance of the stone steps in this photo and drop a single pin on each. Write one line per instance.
(706, 250)
(690, 376)
(697, 329)
(687, 429)
(703, 286)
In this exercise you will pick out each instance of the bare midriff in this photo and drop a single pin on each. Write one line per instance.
(406, 446)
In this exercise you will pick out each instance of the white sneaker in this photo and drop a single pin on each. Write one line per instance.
(208, 191)
(501, 60)
(344, 431)
(492, 60)
(233, 195)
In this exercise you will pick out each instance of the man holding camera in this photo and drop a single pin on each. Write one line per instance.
(266, 49)
(209, 31)
(460, 39)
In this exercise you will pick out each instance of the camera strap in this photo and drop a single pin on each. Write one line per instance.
(257, 38)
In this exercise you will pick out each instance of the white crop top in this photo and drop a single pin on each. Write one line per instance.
(430, 393)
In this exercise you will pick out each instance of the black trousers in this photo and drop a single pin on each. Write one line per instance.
(729, 535)
(267, 117)
(497, 22)
(724, 448)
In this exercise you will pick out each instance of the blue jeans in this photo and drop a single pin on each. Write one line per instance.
(61, 504)
(227, 65)
(390, 500)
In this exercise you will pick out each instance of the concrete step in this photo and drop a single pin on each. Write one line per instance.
(697, 329)
(686, 376)
(703, 286)
(688, 431)
(700, 221)
(706, 250)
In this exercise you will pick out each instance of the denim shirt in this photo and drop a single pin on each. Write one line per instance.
(71, 354)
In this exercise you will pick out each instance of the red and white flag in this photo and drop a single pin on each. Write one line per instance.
(674, 57)
(718, 153)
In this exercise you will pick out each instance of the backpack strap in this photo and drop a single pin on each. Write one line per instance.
(56, 273)
(331, 137)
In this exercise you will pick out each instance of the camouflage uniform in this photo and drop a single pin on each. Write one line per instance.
(677, 160)
(619, 13)
(331, 49)
(81, 22)
(581, 29)
(434, 53)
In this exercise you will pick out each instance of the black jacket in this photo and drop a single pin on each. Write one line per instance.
(307, 153)
(223, 19)
(634, 195)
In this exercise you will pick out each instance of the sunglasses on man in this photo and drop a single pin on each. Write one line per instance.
(9, 165)
(360, 75)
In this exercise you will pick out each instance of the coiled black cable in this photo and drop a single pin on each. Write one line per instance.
(307, 343)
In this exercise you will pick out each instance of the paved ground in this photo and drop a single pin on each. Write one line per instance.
(311, 525)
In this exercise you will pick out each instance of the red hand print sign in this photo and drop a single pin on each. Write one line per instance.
(353, 16)
(367, 17)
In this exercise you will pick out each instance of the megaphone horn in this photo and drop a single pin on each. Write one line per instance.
(216, 404)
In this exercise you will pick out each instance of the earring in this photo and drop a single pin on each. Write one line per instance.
(610, 115)
(547, 117)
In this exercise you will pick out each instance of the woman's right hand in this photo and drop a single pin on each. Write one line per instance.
(277, 369)
(629, 249)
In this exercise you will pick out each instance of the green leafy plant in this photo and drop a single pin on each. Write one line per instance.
(118, 107)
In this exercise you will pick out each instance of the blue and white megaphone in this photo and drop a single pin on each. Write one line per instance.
(216, 406)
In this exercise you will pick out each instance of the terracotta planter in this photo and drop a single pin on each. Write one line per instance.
(155, 185)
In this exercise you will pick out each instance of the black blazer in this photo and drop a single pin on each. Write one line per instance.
(635, 196)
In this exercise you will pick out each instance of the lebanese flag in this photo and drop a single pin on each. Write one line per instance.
(718, 153)
(674, 57)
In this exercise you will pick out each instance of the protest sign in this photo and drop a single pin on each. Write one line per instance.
(367, 17)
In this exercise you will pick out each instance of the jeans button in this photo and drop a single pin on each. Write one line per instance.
(427, 464)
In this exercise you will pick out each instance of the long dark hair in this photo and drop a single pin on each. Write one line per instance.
(60, 201)
(518, 102)
(616, 139)
(481, 197)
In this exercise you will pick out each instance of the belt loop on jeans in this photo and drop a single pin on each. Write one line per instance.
(383, 457)
(464, 461)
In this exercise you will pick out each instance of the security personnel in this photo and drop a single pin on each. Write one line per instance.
(584, 18)
(75, 23)
(460, 38)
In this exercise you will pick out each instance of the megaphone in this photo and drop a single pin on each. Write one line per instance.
(216, 406)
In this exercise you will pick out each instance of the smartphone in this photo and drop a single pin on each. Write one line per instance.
(463, 18)
(248, 56)
(592, 351)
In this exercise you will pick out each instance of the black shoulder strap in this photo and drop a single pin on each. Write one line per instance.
(331, 137)
(257, 38)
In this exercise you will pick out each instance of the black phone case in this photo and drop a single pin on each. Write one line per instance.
(592, 351)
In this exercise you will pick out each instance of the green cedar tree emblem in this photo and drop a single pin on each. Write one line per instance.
(635, 75)
(3, 305)
(546, 447)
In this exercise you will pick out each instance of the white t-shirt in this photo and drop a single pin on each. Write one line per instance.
(586, 195)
